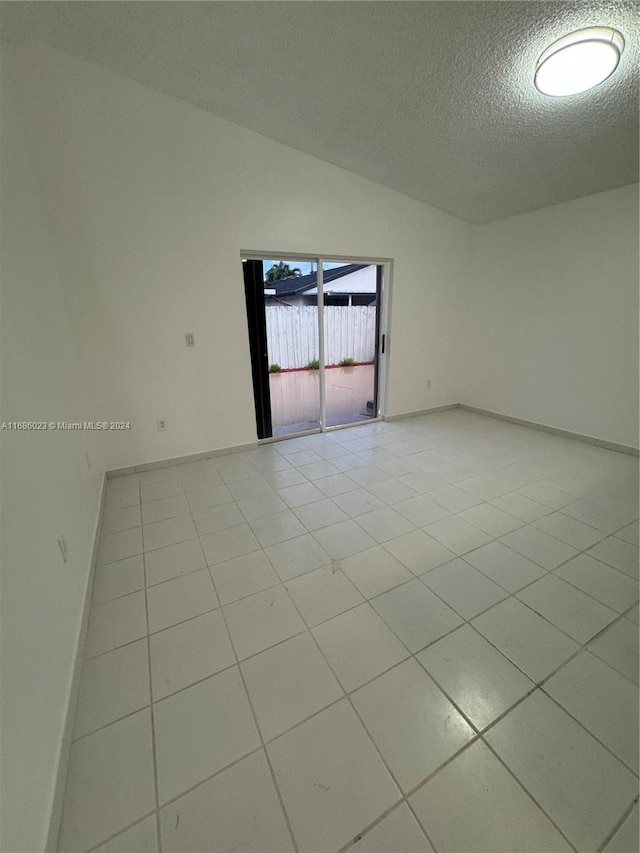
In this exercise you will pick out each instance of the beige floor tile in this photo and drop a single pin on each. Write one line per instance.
(143, 838)
(180, 599)
(357, 501)
(109, 783)
(399, 830)
(243, 576)
(289, 683)
(115, 520)
(528, 640)
(259, 506)
(577, 614)
(189, 747)
(116, 579)
(626, 839)
(620, 555)
(297, 556)
(414, 725)
(262, 620)
(421, 510)
(569, 530)
(505, 566)
(343, 539)
(415, 614)
(358, 646)
(320, 514)
(174, 560)
(217, 518)
(613, 588)
(332, 780)
(374, 571)
(209, 496)
(116, 623)
(618, 646)
(419, 552)
(609, 712)
(463, 588)
(490, 519)
(498, 814)
(520, 506)
(322, 594)
(189, 652)
(279, 527)
(479, 679)
(168, 532)
(123, 498)
(119, 546)
(236, 810)
(158, 491)
(112, 686)
(537, 546)
(226, 544)
(165, 508)
(556, 762)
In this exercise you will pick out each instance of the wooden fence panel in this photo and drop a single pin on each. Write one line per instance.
(292, 333)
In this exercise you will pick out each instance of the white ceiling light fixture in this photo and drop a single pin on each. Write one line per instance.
(579, 61)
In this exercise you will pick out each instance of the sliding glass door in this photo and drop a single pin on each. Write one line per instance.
(351, 299)
(315, 334)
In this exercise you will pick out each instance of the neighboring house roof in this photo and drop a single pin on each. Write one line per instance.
(296, 286)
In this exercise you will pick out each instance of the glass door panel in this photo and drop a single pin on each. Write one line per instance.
(283, 332)
(351, 296)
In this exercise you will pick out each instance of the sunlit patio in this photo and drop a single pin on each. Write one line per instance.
(295, 400)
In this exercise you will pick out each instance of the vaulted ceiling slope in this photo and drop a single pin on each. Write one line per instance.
(434, 99)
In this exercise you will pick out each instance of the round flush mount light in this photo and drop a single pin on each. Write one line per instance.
(579, 61)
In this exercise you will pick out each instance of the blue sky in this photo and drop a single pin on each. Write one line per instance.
(303, 266)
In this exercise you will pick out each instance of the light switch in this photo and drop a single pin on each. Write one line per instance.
(190, 339)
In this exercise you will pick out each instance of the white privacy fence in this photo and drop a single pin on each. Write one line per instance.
(292, 333)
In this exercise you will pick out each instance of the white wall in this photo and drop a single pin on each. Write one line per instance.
(551, 317)
(151, 200)
(47, 490)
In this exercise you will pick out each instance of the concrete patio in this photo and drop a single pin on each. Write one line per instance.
(295, 397)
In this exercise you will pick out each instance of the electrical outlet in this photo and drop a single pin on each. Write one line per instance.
(162, 425)
(190, 339)
(62, 544)
(428, 383)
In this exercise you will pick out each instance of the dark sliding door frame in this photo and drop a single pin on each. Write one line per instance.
(257, 319)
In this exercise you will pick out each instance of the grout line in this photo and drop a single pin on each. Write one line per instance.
(122, 831)
(529, 794)
(209, 778)
(153, 725)
(588, 731)
(259, 731)
(618, 825)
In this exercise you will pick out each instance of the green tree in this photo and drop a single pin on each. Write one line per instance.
(281, 270)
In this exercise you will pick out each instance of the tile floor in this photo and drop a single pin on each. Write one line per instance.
(409, 636)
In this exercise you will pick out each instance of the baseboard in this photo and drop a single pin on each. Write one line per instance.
(488, 413)
(67, 734)
(404, 415)
(239, 448)
(563, 433)
(181, 460)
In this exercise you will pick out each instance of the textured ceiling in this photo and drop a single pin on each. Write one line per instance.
(434, 99)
